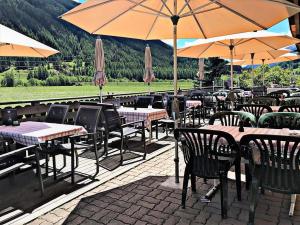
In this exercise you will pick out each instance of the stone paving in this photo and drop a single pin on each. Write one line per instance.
(147, 195)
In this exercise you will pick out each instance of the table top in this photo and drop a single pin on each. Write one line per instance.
(32, 133)
(139, 110)
(237, 135)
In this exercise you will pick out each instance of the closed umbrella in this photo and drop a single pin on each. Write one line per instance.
(200, 72)
(154, 19)
(15, 44)
(99, 77)
(148, 73)
(237, 44)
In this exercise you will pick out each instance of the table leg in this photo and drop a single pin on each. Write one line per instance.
(176, 160)
(72, 162)
(293, 203)
(38, 168)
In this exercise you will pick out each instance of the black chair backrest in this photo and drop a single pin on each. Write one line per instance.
(279, 120)
(158, 105)
(289, 108)
(57, 114)
(279, 93)
(88, 116)
(291, 101)
(256, 109)
(112, 120)
(208, 146)
(157, 97)
(233, 118)
(274, 161)
(8, 116)
(264, 100)
(144, 101)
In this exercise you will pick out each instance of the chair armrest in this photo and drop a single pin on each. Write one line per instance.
(82, 135)
(134, 122)
(17, 151)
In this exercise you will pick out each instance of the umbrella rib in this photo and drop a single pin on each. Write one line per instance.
(274, 57)
(164, 3)
(183, 7)
(38, 52)
(285, 3)
(266, 44)
(196, 10)
(83, 9)
(149, 13)
(149, 8)
(240, 15)
(196, 20)
(205, 50)
(156, 18)
(116, 17)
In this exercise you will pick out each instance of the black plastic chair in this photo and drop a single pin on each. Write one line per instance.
(274, 163)
(264, 100)
(279, 93)
(256, 109)
(210, 155)
(113, 127)
(279, 120)
(144, 101)
(291, 101)
(233, 118)
(176, 112)
(289, 108)
(88, 116)
(57, 114)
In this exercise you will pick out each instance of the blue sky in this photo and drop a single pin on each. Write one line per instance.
(282, 27)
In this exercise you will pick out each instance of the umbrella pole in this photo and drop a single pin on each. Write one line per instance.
(252, 69)
(231, 66)
(175, 20)
(100, 87)
(149, 88)
(263, 75)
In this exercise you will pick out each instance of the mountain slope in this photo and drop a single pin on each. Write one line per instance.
(124, 57)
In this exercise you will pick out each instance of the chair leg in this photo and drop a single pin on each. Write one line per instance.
(238, 179)
(156, 129)
(224, 194)
(106, 144)
(47, 165)
(96, 156)
(76, 159)
(193, 183)
(253, 201)
(72, 163)
(144, 143)
(185, 186)
(54, 167)
(121, 150)
(248, 176)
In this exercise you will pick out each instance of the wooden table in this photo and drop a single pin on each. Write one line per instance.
(193, 103)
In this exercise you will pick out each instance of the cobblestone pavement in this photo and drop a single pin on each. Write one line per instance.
(147, 195)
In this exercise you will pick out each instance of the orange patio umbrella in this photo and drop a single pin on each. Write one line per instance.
(237, 44)
(148, 72)
(160, 19)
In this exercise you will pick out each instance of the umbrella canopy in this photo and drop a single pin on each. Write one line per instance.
(99, 77)
(237, 44)
(283, 58)
(148, 73)
(15, 44)
(266, 55)
(153, 19)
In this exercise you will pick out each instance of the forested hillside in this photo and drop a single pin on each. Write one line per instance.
(124, 57)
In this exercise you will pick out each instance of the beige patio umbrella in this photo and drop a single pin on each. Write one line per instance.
(148, 73)
(237, 44)
(266, 55)
(14, 44)
(99, 77)
(160, 19)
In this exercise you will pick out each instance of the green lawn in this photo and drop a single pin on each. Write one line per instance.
(31, 93)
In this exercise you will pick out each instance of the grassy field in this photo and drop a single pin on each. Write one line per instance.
(32, 93)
